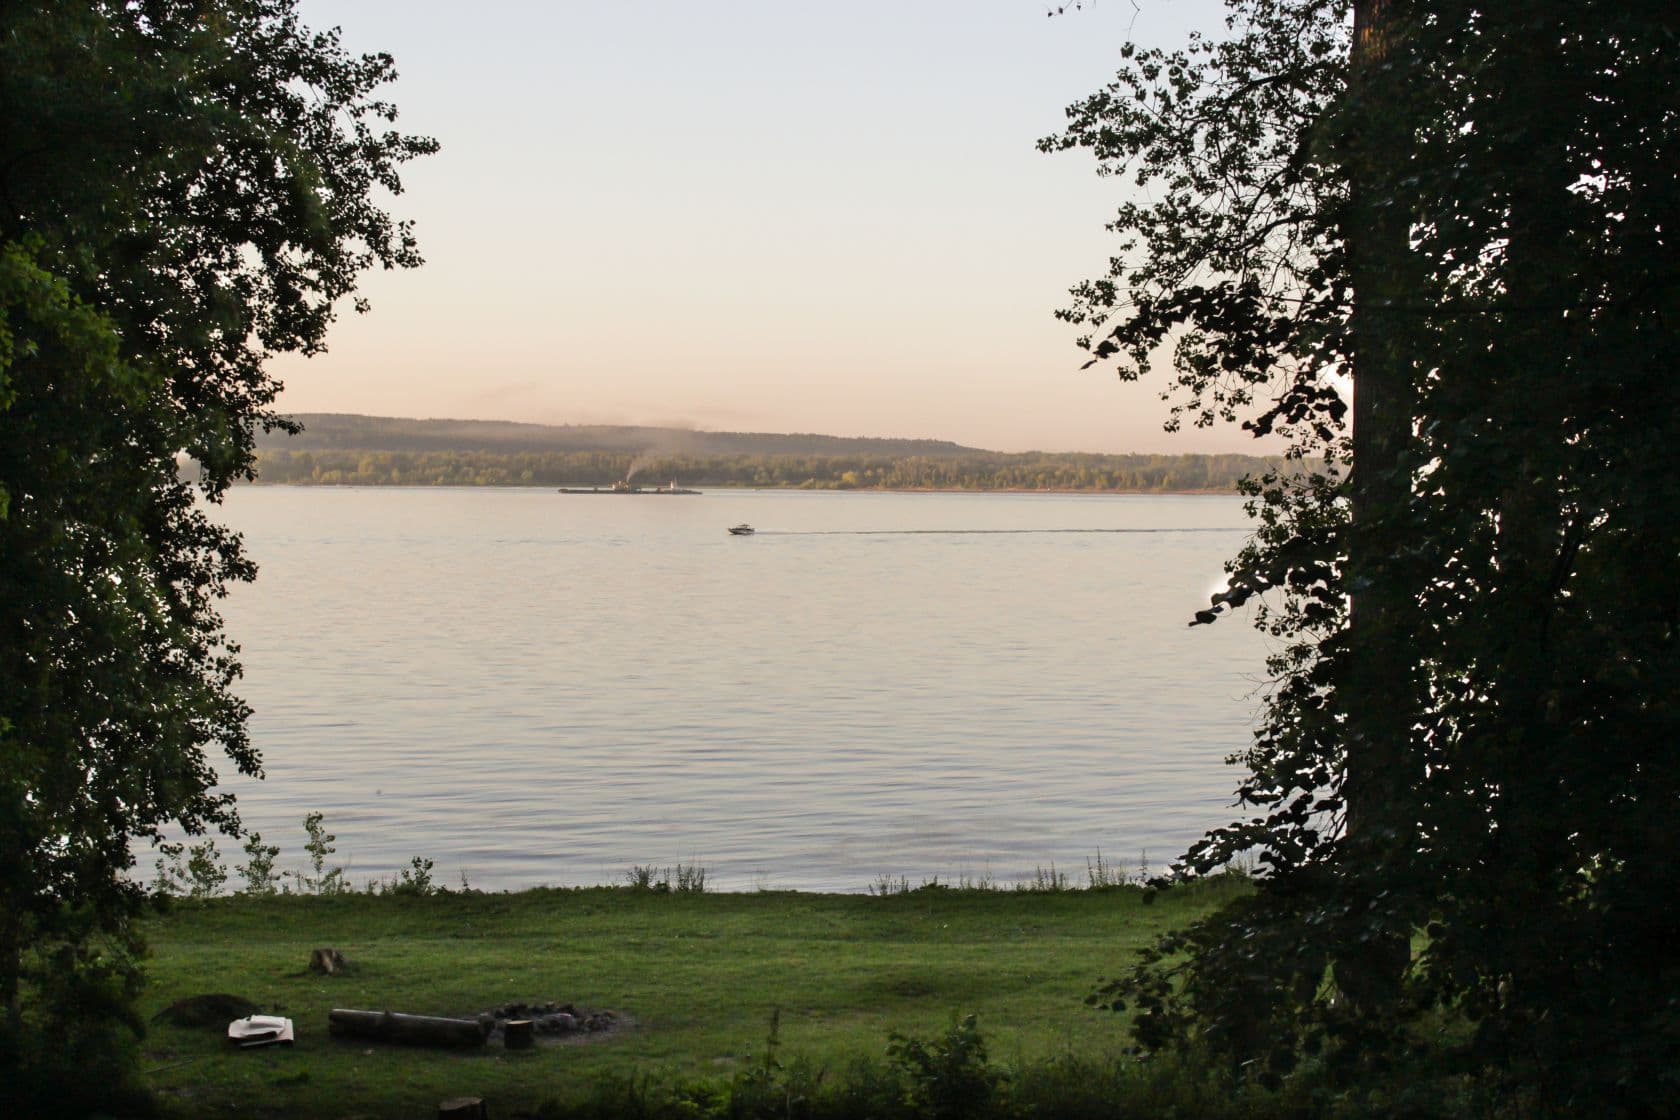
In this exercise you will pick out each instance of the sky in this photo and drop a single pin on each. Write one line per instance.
(748, 215)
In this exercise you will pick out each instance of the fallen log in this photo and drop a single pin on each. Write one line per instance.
(414, 1030)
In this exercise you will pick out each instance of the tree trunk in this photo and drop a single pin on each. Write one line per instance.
(393, 1026)
(1531, 374)
(1378, 780)
(11, 970)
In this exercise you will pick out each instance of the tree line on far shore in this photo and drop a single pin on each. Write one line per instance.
(979, 470)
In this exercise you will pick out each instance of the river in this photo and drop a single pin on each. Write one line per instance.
(535, 688)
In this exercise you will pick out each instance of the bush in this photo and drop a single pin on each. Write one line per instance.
(415, 879)
(201, 874)
(74, 1052)
(949, 1077)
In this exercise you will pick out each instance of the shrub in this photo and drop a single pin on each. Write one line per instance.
(415, 879)
(948, 1077)
(201, 874)
(320, 846)
(258, 869)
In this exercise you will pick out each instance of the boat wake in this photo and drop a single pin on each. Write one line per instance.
(974, 532)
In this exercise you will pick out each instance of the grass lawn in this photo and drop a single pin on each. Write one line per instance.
(694, 977)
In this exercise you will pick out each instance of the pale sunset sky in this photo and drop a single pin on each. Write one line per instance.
(748, 215)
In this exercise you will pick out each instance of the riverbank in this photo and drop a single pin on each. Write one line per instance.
(693, 981)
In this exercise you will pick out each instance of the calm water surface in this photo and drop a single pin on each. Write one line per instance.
(536, 688)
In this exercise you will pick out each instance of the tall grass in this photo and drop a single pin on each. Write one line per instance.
(951, 1076)
(684, 878)
(1099, 875)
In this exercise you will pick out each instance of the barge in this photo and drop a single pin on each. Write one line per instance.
(626, 488)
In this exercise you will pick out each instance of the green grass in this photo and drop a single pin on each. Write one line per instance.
(696, 976)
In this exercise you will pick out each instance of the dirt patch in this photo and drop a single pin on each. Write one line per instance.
(215, 1009)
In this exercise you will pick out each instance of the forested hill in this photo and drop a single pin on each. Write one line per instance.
(338, 431)
(339, 449)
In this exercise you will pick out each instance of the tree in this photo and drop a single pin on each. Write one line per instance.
(1468, 211)
(185, 189)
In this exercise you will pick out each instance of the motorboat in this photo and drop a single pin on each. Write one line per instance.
(741, 530)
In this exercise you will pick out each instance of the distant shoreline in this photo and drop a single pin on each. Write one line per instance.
(371, 450)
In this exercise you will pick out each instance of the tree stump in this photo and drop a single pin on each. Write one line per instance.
(462, 1108)
(327, 961)
(519, 1034)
